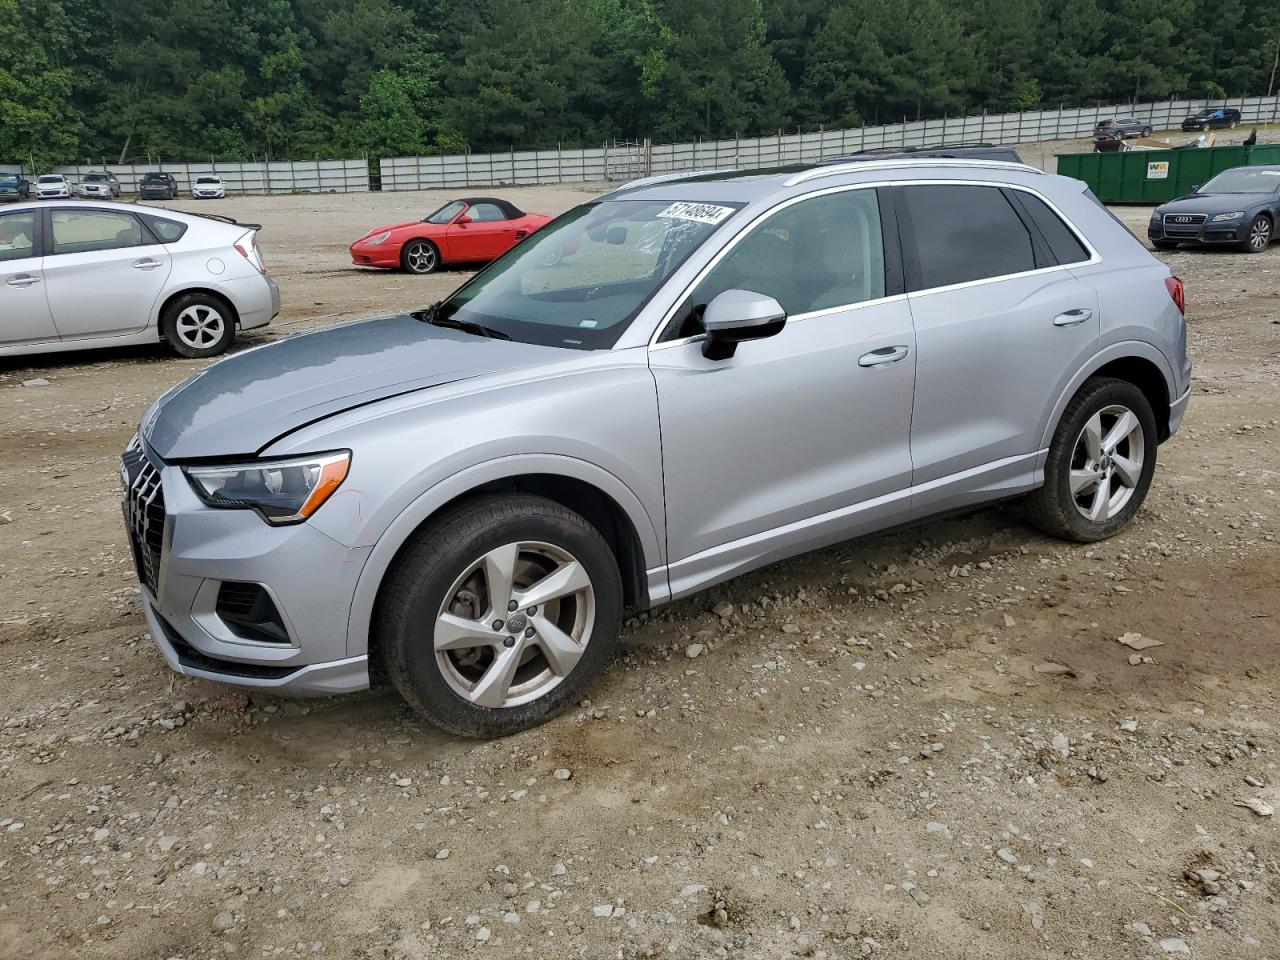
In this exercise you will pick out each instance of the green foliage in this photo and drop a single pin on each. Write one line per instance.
(109, 79)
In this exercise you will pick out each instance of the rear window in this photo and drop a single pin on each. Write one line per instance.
(166, 231)
(965, 233)
(1063, 243)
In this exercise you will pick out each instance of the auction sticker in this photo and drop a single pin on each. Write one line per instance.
(1158, 170)
(698, 212)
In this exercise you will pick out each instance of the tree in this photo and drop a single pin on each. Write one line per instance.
(37, 121)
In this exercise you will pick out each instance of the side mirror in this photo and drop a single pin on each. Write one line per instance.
(463, 220)
(736, 316)
(1195, 188)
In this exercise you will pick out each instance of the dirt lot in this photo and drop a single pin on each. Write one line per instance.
(924, 745)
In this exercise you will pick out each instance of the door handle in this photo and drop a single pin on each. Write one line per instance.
(146, 263)
(882, 357)
(1073, 317)
(23, 280)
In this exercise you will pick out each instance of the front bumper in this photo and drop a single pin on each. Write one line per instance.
(53, 194)
(376, 256)
(1231, 231)
(187, 551)
(207, 195)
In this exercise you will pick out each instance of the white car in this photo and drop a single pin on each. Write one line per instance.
(52, 186)
(84, 275)
(208, 187)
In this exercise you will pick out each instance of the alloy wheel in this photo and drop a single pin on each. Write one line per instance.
(514, 624)
(420, 258)
(200, 326)
(1106, 463)
(1260, 234)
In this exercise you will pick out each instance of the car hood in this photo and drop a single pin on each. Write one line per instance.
(399, 226)
(1214, 202)
(239, 405)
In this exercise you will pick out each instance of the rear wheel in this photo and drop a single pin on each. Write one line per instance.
(1100, 463)
(1259, 236)
(499, 614)
(198, 325)
(420, 256)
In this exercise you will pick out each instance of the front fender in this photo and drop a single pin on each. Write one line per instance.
(458, 484)
(1115, 351)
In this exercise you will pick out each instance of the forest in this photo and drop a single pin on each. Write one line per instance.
(233, 79)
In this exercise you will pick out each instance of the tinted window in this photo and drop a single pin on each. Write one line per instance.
(81, 231)
(819, 253)
(167, 230)
(17, 235)
(485, 212)
(966, 233)
(1063, 244)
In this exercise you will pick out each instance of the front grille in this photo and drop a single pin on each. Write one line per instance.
(1183, 224)
(248, 610)
(143, 512)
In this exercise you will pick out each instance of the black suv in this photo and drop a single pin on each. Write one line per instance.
(158, 186)
(959, 151)
(1121, 128)
(1212, 118)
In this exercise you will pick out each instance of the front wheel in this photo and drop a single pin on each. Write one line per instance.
(420, 256)
(1259, 236)
(1100, 463)
(197, 325)
(499, 614)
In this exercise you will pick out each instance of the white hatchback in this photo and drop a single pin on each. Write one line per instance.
(52, 186)
(85, 275)
(208, 187)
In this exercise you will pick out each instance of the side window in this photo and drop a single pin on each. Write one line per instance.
(167, 230)
(83, 231)
(485, 212)
(823, 252)
(1063, 243)
(965, 233)
(17, 235)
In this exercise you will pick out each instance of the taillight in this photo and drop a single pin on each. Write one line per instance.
(1174, 286)
(247, 247)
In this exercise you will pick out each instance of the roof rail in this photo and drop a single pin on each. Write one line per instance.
(856, 166)
(664, 178)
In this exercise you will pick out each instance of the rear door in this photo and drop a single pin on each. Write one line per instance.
(24, 309)
(1001, 325)
(104, 272)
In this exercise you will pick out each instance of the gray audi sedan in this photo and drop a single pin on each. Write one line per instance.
(1239, 208)
(686, 379)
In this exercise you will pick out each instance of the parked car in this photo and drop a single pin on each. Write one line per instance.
(158, 186)
(85, 275)
(14, 187)
(208, 187)
(961, 151)
(728, 371)
(98, 185)
(52, 186)
(467, 230)
(1121, 128)
(1212, 118)
(1239, 207)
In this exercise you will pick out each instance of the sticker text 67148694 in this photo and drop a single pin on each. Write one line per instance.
(698, 212)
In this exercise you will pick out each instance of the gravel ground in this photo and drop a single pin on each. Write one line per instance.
(930, 744)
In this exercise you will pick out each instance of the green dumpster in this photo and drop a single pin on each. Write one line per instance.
(1154, 176)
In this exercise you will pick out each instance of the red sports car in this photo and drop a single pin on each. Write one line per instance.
(468, 230)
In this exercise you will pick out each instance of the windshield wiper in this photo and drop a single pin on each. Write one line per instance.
(432, 316)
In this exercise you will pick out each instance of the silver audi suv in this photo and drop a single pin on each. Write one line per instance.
(683, 380)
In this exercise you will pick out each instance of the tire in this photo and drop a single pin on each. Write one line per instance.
(1261, 233)
(1102, 402)
(420, 257)
(198, 325)
(1165, 244)
(442, 579)
(1146, 131)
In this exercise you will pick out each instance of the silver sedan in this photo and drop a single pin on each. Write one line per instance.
(83, 275)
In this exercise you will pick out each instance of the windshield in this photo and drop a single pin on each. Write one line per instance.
(153, 177)
(94, 177)
(446, 213)
(579, 281)
(50, 179)
(8, 178)
(1244, 180)
(207, 180)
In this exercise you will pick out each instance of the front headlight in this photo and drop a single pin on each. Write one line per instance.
(282, 491)
(1219, 217)
(375, 240)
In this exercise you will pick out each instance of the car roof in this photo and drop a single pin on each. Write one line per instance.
(509, 209)
(114, 206)
(746, 186)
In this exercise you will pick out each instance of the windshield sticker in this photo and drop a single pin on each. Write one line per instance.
(697, 212)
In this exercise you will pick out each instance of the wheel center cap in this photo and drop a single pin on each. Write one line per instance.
(517, 622)
(1106, 462)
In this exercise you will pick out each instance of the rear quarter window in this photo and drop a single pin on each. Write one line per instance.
(1063, 243)
(166, 231)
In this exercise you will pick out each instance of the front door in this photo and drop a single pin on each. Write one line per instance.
(800, 439)
(104, 272)
(488, 235)
(24, 308)
(1002, 325)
